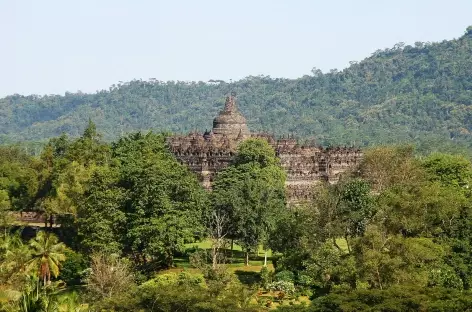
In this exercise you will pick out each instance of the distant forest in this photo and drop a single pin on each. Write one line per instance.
(420, 94)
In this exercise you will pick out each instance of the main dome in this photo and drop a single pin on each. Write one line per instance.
(230, 121)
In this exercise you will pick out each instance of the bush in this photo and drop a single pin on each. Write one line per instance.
(286, 287)
(109, 276)
(174, 279)
(445, 277)
(304, 280)
(286, 276)
(74, 268)
(266, 277)
(189, 279)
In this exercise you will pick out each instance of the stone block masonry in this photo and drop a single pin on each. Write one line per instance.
(306, 165)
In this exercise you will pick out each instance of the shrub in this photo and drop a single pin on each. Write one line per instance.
(189, 279)
(74, 268)
(284, 286)
(173, 279)
(445, 277)
(266, 277)
(304, 280)
(110, 276)
(163, 279)
(286, 276)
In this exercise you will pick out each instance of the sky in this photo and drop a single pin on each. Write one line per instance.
(58, 46)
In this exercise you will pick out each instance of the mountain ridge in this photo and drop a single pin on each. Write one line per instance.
(418, 94)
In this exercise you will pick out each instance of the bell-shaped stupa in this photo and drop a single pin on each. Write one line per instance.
(230, 122)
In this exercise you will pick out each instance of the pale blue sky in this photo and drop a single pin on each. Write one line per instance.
(53, 46)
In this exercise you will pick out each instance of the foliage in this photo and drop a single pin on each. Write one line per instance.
(47, 256)
(109, 276)
(286, 287)
(399, 226)
(252, 192)
(155, 296)
(38, 299)
(266, 277)
(286, 276)
(407, 93)
(395, 299)
(450, 170)
(73, 269)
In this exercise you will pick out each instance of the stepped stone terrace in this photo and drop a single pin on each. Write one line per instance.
(306, 165)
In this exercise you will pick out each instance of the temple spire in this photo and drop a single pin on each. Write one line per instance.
(230, 104)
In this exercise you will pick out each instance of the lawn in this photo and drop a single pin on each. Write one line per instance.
(235, 261)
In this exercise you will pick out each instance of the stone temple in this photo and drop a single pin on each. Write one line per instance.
(305, 164)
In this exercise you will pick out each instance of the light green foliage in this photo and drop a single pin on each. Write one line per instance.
(256, 151)
(445, 276)
(266, 277)
(426, 208)
(47, 256)
(14, 257)
(389, 166)
(385, 260)
(175, 279)
(450, 170)
(37, 298)
(329, 266)
(286, 287)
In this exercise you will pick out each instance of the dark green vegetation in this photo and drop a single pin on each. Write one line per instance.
(393, 236)
(420, 94)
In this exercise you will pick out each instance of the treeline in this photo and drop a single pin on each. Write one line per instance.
(394, 235)
(417, 94)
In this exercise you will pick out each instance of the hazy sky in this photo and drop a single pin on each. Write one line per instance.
(53, 46)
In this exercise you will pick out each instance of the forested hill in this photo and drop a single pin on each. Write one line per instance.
(420, 94)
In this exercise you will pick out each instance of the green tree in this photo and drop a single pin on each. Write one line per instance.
(450, 170)
(253, 190)
(166, 204)
(101, 220)
(47, 256)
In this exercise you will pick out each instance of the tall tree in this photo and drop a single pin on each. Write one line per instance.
(47, 255)
(252, 189)
(166, 204)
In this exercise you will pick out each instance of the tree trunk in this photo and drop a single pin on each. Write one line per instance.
(265, 258)
(378, 279)
(214, 255)
(347, 243)
(247, 258)
(232, 245)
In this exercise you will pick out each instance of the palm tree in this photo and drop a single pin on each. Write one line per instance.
(14, 257)
(47, 255)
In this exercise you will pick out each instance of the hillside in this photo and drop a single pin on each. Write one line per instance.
(419, 94)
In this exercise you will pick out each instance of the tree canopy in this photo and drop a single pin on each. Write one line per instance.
(417, 93)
